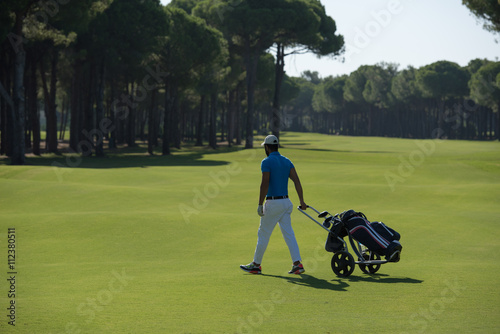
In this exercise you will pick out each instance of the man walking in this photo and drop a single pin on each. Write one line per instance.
(276, 170)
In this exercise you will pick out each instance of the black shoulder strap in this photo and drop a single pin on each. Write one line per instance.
(361, 214)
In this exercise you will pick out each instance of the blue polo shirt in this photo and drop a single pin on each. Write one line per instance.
(279, 167)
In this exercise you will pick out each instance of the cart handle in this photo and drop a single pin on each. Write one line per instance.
(310, 207)
(314, 220)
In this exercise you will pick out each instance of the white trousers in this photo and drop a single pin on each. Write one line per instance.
(276, 211)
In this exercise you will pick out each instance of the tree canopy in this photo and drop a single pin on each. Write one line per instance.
(487, 11)
(100, 74)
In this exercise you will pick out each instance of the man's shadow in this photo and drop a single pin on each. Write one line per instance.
(342, 283)
(313, 282)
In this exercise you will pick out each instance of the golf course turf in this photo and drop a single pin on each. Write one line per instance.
(132, 243)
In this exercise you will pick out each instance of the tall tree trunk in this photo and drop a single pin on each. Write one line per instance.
(166, 121)
(251, 63)
(156, 117)
(112, 116)
(176, 131)
(491, 123)
(52, 146)
(61, 121)
(212, 137)
(3, 100)
(223, 119)
(3, 121)
(87, 144)
(27, 121)
(369, 122)
(99, 145)
(6, 119)
(199, 128)
(237, 127)
(131, 119)
(75, 124)
(17, 112)
(279, 74)
(64, 118)
(50, 103)
(230, 116)
(33, 105)
(153, 109)
(141, 124)
(497, 119)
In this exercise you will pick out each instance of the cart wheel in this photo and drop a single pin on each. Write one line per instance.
(343, 264)
(370, 268)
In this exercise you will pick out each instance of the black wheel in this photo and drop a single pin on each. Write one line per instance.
(343, 264)
(370, 268)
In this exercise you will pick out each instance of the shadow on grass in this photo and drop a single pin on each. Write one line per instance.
(312, 282)
(303, 146)
(341, 283)
(132, 158)
(339, 151)
(382, 278)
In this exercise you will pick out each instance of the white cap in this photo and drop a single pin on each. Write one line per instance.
(270, 140)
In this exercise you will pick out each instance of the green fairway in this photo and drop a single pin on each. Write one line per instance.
(138, 244)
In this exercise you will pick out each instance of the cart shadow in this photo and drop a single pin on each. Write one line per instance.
(341, 283)
(313, 282)
(382, 278)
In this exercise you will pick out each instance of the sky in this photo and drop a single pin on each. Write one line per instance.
(405, 32)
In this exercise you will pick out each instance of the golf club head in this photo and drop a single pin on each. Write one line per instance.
(323, 214)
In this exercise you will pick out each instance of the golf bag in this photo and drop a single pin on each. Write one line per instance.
(333, 243)
(378, 237)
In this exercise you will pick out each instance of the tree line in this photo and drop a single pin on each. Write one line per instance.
(117, 71)
(112, 72)
(441, 99)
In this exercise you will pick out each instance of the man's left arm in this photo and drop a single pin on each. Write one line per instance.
(298, 187)
(264, 186)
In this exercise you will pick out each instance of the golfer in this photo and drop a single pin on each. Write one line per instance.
(276, 170)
